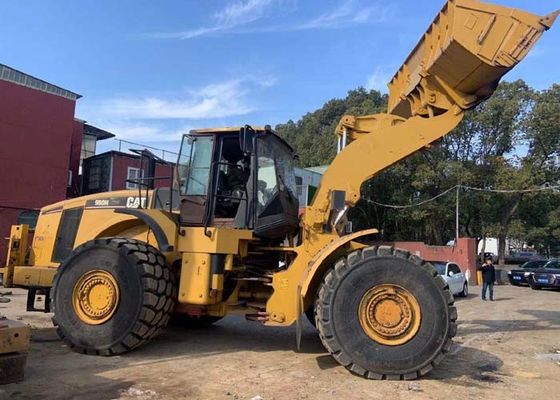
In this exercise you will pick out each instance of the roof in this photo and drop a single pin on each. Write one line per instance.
(115, 153)
(237, 129)
(100, 134)
(12, 75)
(225, 129)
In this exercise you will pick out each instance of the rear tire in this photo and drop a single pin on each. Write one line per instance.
(145, 296)
(341, 327)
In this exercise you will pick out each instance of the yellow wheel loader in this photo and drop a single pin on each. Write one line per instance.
(227, 236)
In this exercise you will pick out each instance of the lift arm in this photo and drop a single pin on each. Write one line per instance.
(457, 64)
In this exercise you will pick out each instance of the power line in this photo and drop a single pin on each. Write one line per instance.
(504, 191)
(412, 205)
(540, 189)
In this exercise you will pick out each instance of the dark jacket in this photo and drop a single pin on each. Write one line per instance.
(488, 273)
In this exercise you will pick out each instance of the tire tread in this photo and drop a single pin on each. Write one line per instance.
(324, 324)
(157, 305)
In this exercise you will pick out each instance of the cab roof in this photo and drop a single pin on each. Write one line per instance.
(236, 129)
(225, 129)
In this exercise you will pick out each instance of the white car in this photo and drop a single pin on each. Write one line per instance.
(456, 279)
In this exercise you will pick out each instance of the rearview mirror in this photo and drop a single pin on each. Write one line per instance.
(450, 273)
(246, 137)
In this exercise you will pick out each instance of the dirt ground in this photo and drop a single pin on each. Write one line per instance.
(508, 349)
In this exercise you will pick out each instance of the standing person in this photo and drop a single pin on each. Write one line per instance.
(488, 278)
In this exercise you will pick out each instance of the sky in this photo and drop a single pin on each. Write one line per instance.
(150, 71)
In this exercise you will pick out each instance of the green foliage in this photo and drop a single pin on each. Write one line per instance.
(509, 142)
(312, 137)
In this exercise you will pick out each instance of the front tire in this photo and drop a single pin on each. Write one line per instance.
(112, 295)
(385, 314)
(465, 292)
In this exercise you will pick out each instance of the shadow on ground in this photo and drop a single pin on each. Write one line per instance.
(464, 362)
(69, 372)
(473, 366)
(88, 375)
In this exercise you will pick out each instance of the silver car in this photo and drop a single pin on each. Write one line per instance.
(454, 277)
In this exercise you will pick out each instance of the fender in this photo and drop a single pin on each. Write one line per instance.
(163, 224)
(315, 264)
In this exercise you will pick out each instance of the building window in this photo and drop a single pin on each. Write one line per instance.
(88, 147)
(94, 180)
(28, 218)
(132, 175)
(299, 185)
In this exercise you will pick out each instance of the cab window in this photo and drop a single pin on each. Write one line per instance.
(28, 218)
(195, 162)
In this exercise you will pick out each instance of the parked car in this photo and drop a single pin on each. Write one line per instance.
(519, 276)
(521, 257)
(454, 277)
(547, 276)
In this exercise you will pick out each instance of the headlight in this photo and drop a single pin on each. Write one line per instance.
(526, 274)
(509, 272)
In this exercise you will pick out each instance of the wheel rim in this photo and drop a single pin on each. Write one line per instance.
(95, 297)
(389, 314)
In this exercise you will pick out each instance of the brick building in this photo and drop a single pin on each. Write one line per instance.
(41, 147)
(111, 170)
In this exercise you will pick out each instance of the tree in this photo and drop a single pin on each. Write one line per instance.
(312, 137)
(509, 142)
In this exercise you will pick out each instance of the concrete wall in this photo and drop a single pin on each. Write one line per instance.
(464, 254)
(36, 130)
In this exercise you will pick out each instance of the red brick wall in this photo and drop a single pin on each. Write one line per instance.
(464, 254)
(36, 131)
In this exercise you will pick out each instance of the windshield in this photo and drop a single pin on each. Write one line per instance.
(193, 167)
(553, 264)
(533, 264)
(440, 268)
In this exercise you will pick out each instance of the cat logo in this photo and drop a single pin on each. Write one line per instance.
(136, 202)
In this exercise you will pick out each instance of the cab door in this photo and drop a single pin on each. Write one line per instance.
(194, 178)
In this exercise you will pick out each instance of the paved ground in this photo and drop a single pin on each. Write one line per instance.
(509, 349)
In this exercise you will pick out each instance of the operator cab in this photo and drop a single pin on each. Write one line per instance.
(239, 178)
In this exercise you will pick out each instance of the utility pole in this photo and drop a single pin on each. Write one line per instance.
(457, 216)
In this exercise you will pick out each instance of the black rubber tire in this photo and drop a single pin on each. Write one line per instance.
(147, 296)
(204, 321)
(535, 287)
(340, 329)
(465, 292)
